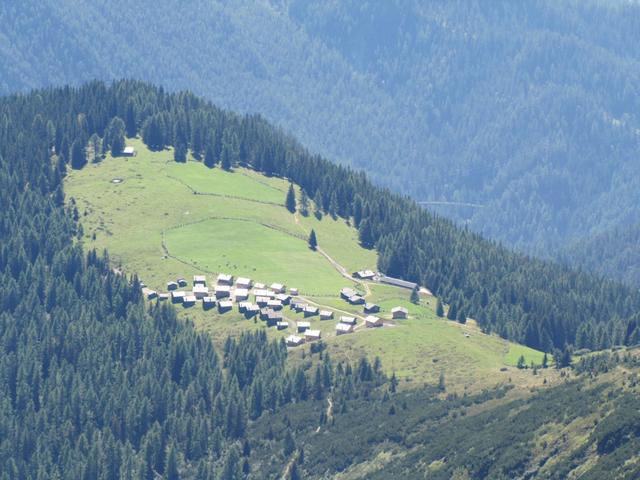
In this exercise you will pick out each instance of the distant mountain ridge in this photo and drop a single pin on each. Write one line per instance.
(529, 109)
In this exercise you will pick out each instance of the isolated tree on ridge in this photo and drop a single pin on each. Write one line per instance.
(290, 202)
(313, 241)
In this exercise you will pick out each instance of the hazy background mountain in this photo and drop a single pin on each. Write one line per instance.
(527, 109)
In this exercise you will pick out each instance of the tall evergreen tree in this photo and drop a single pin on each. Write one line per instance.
(415, 295)
(439, 308)
(304, 203)
(313, 241)
(209, 157)
(290, 201)
(78, 154)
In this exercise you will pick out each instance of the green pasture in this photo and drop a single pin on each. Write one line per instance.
(165, 220)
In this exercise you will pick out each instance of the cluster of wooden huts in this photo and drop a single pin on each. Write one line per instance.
(225, 292)
(268, 304)
(352, 297)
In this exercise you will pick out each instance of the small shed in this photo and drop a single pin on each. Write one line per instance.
(261, 292)
(259, 285)
(294, 341)
(149, 294)
(223, 291)
(348, 320)
(372, 321)
(129, 152)
(326, 314)
(303, 326)
(298, 306)
(172, 285)
(178, 296)
(294, 291)
(199, 280)
(312, 335)
(189, 300)
(252, 311)
(243, 282)
(163, 296)
(274, 304)
(262, 301)
(342, 328)
(241, 294)
(310, 311)
(225, 306)
(347, 293)
(282, 325)
(182, 282)
(208, 302)
(284, 298)
(371, 308)
(224, 279)
(365, 274)
(278, 287)
(399, 312)
(242, 306)
(356, 300)
(200, 290)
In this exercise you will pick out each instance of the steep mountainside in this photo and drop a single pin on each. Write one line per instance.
(528, 111)
(95, 383)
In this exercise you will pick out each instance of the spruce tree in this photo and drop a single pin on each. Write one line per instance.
(521, 362)
(180, 153)
(114, 136)
(130, 120)
(304, 203)
(452, 313)
(317, 200)
(439, 308)
(545, 360)
(290, 201)
(462, 316)
(209, 157)
(313, 241)
(441, 383)
(78, 154)
(415, 296)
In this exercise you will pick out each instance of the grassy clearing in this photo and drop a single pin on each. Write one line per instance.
(165, 220)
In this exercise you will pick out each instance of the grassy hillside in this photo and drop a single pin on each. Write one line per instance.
(165, 220)
(528, 108)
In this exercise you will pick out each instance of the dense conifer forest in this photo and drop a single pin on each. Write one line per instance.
(526, 110)
(96, 385)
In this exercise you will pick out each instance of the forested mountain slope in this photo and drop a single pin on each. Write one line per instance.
(527, 109)
(93, 384)
(533, 302)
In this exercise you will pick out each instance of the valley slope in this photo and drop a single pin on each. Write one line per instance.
(162, 220)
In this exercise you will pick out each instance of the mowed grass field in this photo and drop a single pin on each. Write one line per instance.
(165, 220)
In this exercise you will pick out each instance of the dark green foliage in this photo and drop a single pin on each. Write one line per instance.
(180, 153)
(452, 313)
(313, 241)
(114, 137)
(78, 154)
(290, 201)
(439, 308)
(415, 295)
(90, 374)
(209, 157)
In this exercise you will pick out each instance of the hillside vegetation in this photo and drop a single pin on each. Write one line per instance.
(528, 110)
(537, 303)
(95, 383)
(163, 220)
